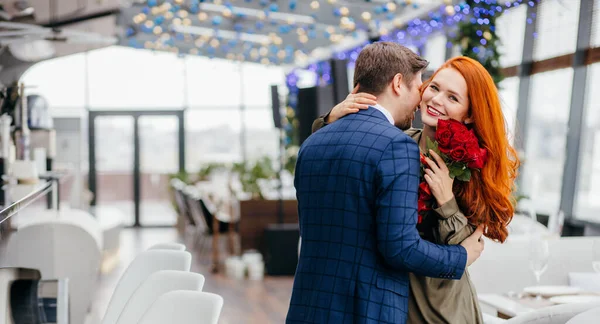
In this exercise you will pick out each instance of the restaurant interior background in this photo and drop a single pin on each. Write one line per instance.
(127, 124)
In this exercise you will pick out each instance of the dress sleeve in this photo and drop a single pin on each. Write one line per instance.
(320, 122)
(453, 225)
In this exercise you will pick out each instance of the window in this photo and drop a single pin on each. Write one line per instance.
(545, 143)
(556, 29)
(212, 135)
(65, 98)
(262, 138)
(509, 97)
(435, 51)
(595, 39)
(510, 28)
(587, 204)
(212, 83)
(127, 78)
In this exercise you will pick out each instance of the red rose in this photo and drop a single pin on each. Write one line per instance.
(457, 127)
(479, 159)
(458, 153)
(422, 206)
(461, 138)
(443, 124)
(473, 151)
(423, 161)
(424, 191)
(443, 137)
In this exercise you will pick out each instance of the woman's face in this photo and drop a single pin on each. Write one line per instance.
(445, 97)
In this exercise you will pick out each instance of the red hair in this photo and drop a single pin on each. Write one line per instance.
(487, 198)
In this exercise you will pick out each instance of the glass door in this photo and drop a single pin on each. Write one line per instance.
(114, 167)
(132, 155)
(159, 158)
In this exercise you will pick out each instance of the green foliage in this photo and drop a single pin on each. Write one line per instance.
(250, 173)
(206, 170)
(470, 42)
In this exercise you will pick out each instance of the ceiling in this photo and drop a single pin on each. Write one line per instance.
(288, 32)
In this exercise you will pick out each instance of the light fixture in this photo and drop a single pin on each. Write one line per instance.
(224, 34)
(366, 16)
(344, 11)
(259, 14)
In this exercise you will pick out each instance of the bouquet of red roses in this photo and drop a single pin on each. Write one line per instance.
(459, 148)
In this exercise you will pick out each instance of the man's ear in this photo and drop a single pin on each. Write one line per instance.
(397, 83)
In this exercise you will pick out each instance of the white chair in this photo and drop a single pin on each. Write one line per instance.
(168, 246)
(62, 246)
(589, 316)
(559, 314)
(184, 307)
(156, 285)
(145, 264)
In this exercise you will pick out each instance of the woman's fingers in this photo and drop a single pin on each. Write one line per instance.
(438, 160)
(432, 164)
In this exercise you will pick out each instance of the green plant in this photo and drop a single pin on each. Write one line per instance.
(207, 169)
(250, 173)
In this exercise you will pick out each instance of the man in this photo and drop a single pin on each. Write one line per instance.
(357, 182)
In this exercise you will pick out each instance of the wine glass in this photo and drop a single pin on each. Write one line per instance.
(539, 254)
(596, 255)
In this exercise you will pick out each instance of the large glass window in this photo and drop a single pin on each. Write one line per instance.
(549, 104)
(509, 97)
(587, 204)
(435, 51)
(595, 40)
(213, 83)
(65, 98)
(212, 135)
(556, 28)
(127, 78)
(510, 28)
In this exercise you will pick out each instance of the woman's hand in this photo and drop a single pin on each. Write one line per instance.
(352, 104)
(438, 178)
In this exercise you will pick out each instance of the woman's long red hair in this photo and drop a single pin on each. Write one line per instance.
(488, 198)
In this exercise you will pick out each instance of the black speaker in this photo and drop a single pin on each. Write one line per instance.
(312, 102)
(281, 249)
(339, 72)
(275, 105)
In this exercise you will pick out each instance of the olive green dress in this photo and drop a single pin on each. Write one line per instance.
(434, 300)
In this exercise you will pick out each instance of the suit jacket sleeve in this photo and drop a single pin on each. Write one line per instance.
(453, 225)
(398, 240)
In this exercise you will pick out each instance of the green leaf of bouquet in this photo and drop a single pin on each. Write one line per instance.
(431, 145)
(465, 176)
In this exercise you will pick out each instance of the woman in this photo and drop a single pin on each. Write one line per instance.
(462, 90)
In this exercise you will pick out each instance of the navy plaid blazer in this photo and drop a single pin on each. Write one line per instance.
(356, 182)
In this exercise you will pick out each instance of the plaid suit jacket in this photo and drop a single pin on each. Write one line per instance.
(356, 183)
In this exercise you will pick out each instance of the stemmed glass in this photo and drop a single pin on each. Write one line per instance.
(539, 254)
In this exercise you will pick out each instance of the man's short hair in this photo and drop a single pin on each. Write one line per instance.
(378, 63)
